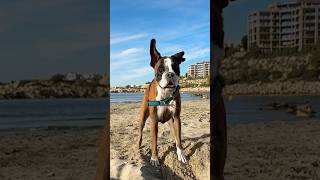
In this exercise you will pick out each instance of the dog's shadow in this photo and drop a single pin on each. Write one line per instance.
(192, 150)
(196, 145)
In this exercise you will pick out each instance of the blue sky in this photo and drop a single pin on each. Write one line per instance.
(42, 38)
(177, 25)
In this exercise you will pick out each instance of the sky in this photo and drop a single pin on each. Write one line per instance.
(235, 17)
(177, 25)
(42, 38)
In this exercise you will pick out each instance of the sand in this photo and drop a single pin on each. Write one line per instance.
(281, 150)
(127, 159)
(54, 154)
(274, 150)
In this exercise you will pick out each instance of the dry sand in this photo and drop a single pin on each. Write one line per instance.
(259, 151)
(55, 154)
(128, 163)
(275, 150)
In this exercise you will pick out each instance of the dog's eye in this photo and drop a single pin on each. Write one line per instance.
(161, 69)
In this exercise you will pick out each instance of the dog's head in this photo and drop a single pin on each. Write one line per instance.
(167, 69)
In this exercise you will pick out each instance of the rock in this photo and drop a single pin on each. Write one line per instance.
(50, 174)
(304, 111)
(71, 77)
(16, 84)
(276, 106)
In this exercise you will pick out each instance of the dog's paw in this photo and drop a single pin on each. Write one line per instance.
(181, 155)
(154, 161)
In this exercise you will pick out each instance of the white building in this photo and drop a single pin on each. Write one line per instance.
(200, 69)
(285, 24)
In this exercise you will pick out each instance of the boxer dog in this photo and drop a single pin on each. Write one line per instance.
(162, 101)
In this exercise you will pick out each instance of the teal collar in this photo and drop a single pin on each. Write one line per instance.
(165, 101)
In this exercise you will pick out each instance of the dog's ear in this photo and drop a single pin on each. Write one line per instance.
(155, 55)
(179, 57)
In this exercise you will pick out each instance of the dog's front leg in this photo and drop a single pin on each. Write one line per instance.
(177, 129)
(154, 136)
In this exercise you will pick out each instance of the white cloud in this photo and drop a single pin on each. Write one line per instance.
(120, 38)
(128, 58)
(128, 53)
(129, 62)
(136, 73)
(197, 53)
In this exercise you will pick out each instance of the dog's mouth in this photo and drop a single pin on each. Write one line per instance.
(170, 84)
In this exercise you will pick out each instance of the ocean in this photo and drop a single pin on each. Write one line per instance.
(46, 113)
(42, 113)
(245, 109)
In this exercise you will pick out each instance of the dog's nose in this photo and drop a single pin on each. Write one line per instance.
(170, 75)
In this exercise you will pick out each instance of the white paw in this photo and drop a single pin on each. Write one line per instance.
(154, 162)
(181, 156)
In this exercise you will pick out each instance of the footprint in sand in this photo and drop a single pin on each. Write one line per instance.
(165, 133)
(122, 170)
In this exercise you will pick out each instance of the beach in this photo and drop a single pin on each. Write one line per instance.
(127, 159)
(49, 154)
(274, 149)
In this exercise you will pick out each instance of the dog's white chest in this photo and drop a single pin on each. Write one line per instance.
(171, 108)
(166, 109)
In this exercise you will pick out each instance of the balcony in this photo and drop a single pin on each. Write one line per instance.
(265, 24)
(309, 28)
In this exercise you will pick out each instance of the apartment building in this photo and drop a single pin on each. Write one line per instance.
(286, 24)
(200, 69)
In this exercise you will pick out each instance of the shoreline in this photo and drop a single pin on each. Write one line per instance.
(235, 95)
(50, 128)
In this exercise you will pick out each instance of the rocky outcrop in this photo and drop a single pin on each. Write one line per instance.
(272, 74)
(126, 90)
(189, 82)
(71, 85)
(274, 88)
(270, 69)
